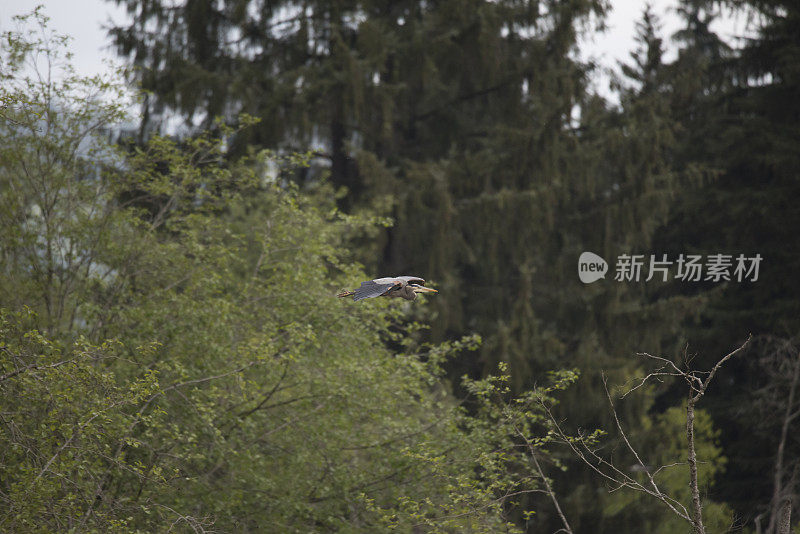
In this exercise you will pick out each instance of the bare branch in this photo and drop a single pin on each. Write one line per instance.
(625, 437)
(545, 481)
(618, 478)
(723, 360)
(34, 367)
(610, 472)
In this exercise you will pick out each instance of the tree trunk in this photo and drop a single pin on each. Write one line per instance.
(697, 509)
(778, 475)
(785, 523)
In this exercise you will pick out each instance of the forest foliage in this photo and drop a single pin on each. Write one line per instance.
(173, 353)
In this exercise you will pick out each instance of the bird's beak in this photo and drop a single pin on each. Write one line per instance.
(423, 289)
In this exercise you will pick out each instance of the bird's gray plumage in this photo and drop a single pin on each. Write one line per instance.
(405, 287)
(372, 288)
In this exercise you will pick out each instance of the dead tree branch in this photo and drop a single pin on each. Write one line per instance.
(585, 448)
(548, 487)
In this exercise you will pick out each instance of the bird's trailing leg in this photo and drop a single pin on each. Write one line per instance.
(345, 294)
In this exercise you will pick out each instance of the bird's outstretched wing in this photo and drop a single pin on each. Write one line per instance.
(411, 280)
(375, 288)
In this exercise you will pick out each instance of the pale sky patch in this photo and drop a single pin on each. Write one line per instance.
(87, 22)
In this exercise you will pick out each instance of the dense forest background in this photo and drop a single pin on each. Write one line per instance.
(174, 357)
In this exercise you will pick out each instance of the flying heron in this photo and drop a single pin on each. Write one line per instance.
(405, 287)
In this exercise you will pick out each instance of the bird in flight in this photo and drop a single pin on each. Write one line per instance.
(405, 287)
